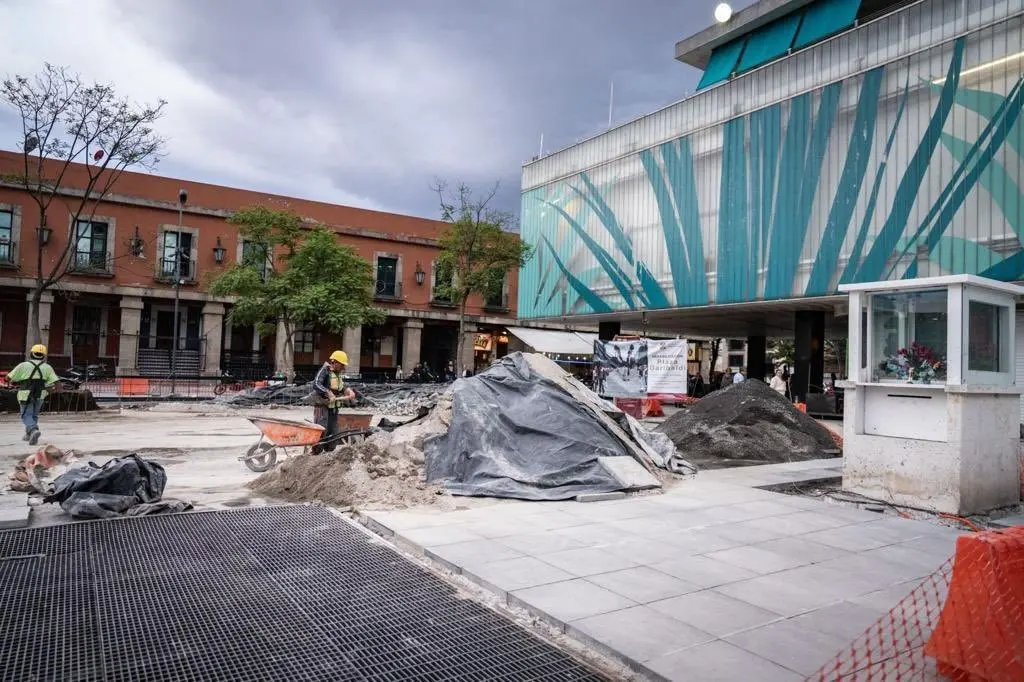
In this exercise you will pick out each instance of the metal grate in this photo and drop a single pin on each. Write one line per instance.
(272, 593)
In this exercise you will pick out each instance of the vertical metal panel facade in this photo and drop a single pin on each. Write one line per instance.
(891, 151)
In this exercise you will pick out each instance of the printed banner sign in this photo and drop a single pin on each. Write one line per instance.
(640, 368)
(667, 374)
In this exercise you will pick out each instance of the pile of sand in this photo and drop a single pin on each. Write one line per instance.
(360, 475)
(745, 424)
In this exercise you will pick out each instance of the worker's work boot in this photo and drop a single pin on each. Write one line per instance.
(34, 437)
(28, 434)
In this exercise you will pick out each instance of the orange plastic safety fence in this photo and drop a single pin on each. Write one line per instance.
(964, 622)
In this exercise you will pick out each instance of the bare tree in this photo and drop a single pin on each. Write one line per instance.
(66, 121)
(477, 250)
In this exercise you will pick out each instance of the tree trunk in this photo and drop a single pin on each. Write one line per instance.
(716, 347)
(35, 331)
(284, 349)
(460, 342)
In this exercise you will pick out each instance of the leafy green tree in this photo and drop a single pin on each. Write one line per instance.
(783, 351)
(66, 121)
(295, 275)
(477, 249)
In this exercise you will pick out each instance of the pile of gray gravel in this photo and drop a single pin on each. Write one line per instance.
(746, 424)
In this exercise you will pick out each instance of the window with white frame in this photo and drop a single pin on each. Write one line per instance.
(176, 255)
(255, 255)
(6, 236)
(91, 238)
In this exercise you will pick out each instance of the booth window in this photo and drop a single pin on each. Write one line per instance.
(908, 336)
(988, 337)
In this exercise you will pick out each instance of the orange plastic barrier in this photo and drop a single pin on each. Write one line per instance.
(980, 633)
(638, 408)
(132, 387)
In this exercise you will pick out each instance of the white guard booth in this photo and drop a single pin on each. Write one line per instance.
(931, 415)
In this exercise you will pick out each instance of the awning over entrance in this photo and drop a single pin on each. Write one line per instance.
(548, 341)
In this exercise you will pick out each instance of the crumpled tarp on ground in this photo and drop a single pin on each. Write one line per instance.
(114, 489)
(525, 429)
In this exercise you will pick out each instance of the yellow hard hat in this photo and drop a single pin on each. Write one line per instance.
(39, 349)
(340, 357)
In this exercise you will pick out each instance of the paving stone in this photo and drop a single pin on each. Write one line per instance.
(643, 584)
(474, 552)
(699, 541)
(556, 519)
(757, 559)
(509, 575)
(745, 535)
(436, 536)
(780, 593)
(495, 528)
(807, 551)
(616, 510)
(791, 645)
(764, 508)
(679, 502)
(14, 516)
(647, 526)
(587, 561)
(797, 523)
(644, 551)
(845, 620)
(713, 612)
(887, 598)
(540, 543)
(720, 661)
(856, 538)
(569, 600)
(702, 571)
(638, 633)
(600, 497)
(917, 564)
(1009, 521)
(595, 534)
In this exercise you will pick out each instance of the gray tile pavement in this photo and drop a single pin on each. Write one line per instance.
(712, 580)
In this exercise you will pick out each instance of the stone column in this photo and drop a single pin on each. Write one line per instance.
(757, 348)
(809, 366)
(352, 344)
(128, 341)
(468, 354)
(45, 306)
(213, 332)
(412, 340)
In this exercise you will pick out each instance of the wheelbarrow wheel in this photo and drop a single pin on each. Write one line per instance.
(261, 457)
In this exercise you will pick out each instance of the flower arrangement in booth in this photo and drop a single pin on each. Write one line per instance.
(919, 363)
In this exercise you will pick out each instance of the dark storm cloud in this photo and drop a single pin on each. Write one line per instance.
(366, 102)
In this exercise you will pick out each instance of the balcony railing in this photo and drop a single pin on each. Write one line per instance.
(89, 262)
(186, 269)
(386, 290)
(8, 252)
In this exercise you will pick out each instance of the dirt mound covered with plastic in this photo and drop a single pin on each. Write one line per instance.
(746, 424)
(361, 475)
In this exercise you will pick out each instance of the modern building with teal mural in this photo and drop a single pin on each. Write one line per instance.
(832, 142)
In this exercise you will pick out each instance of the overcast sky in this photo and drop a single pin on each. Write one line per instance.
(365, 102)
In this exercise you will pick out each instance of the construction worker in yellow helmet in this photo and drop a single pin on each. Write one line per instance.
(329, 386)
(34, 378)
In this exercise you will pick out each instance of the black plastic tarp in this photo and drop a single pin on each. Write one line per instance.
(96, 492)
(514, 433)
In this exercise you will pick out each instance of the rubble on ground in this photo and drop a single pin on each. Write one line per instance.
(58, 401)
(35, 473)
(393, 399)
(744, 424)
(361, 475)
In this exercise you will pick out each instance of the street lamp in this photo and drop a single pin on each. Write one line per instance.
(182, 199)
(44, 233)
(420, 275)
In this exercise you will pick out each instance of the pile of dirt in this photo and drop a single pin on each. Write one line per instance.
(359, 475)
(745, 424)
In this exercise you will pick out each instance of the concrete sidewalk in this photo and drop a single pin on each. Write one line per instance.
(712, 580)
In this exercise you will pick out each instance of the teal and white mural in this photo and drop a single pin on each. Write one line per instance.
(911, 169)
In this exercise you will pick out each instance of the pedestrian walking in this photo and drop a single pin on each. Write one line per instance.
(34, 379)
(738, 377)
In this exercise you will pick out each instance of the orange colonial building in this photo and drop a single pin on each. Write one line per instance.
(116, 306)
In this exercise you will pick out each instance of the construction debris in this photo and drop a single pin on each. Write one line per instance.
(385, 399)
(526, 429)
(112, 490)
(745, 424)
(353, 475)
(36, 472)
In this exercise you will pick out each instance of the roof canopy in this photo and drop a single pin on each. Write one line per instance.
(548, 341)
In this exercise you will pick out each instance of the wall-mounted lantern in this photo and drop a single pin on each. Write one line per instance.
(218, 252)
(136, 244)
(44, 233)
(420, 274)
